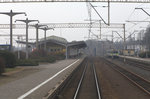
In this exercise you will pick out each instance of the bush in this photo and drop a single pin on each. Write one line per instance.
(59, 56)
(38, 54)
(2, 65)
(26, 62)
(50, 59)
(22, 54)
(43, 56)
(143, 54)
(9, 58)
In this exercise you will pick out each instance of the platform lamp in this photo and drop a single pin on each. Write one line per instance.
(11, 14)
(27, 22)
(46, 28)
(37, 26)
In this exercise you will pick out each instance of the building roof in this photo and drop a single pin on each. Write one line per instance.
(59, 41)
(55, 38)
(77, 44)
(4, 44)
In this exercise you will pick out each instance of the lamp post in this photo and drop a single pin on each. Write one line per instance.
(45, 29)
(27, 22)
(11, 14)
(37, 26)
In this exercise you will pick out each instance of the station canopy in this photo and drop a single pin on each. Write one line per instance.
(59, 41)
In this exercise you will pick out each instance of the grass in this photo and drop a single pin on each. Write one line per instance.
(11, 69)
(27, 62)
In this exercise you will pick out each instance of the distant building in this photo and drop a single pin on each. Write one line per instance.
(53, 44)
(5, 47)
(56, 44)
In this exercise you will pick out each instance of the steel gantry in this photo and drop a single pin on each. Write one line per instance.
(112, 1)
(65, 25)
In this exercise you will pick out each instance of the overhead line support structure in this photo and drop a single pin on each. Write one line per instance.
(45, 29)
(143, 11)
(27, 22)
(11, 14)
(124, 40)
(65, 25)
(37, 26)
(108, 12)
(111, 1)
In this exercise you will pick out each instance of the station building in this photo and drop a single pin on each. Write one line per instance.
(56, 44)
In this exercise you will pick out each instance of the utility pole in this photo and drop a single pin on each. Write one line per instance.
(124, 29)
(100, 29)
(11, 14)
(27, 22)
(108, 12)
(37, 26)
(45, 29)
(112, 39)
(112, 36)
(18, 48)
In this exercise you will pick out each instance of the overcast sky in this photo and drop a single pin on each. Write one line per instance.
(71, 13)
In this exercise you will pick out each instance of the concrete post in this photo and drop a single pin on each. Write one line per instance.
(27, 21)
(11, 36)
(45, 40)
(100, 29)
(124, 39)
(45, 29)
(11, 14)
(66, 52)
(37, 38)
(37, 26)
(108, 12)
(27, 50)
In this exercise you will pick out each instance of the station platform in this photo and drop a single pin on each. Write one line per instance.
(38, 84)
(145, 60)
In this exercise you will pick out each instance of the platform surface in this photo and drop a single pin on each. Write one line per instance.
(137, 58)
(36, 85)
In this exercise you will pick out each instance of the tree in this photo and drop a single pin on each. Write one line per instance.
(2, 65)
(146, 38)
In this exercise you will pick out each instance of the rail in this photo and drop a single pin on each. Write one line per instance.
(134, 78)
(81, 80)
(138, 64)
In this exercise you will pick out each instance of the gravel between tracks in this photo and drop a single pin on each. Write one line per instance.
(112, 84)
(115, 86)
(143, 73)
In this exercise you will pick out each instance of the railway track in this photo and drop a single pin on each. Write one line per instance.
(137, 64)
(82, 84)
(134, 78)
(88, 84)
